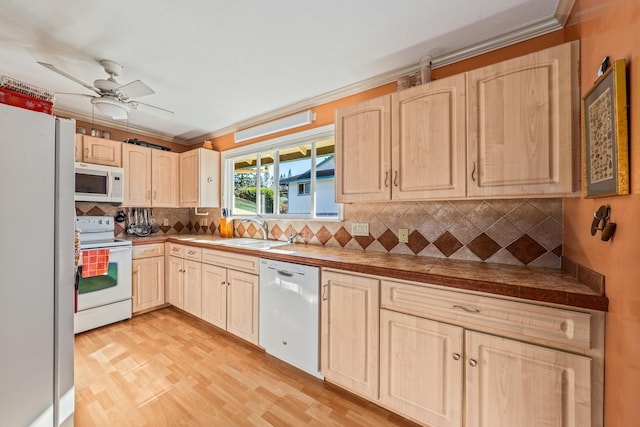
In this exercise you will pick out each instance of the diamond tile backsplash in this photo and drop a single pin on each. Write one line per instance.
(514, 231)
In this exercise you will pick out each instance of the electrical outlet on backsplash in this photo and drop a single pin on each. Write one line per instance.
(506, 231)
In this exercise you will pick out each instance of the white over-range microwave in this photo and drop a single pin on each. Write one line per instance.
(99, 183)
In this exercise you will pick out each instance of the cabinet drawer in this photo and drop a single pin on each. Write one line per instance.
(175, 250)
(192, 253)
(530, 322)
(148, 251)
(245, 263)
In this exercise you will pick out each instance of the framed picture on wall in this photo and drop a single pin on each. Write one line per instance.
(605, 141)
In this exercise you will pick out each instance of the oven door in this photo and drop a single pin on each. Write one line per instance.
(113, 287)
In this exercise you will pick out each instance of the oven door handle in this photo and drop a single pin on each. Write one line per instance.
(114, 249)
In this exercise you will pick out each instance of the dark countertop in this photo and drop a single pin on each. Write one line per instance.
(536, 284)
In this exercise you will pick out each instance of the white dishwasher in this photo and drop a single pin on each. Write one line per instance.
(289, 313)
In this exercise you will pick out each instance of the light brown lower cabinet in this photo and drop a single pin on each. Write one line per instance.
(421, 368)
(230, 301)
(510, 383)
(451, 359)
(147, 277)
(349, 339)
(184, 277)
(175, 281)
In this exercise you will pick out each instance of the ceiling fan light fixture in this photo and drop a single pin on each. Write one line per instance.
(112, 108)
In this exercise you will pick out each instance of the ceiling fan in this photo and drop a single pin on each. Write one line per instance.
(114, 99)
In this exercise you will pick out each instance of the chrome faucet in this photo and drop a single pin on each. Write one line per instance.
(261, 222)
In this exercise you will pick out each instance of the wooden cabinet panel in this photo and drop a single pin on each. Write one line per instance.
(147, 251)
(200, 178)
(242, 305)
(189, 167)
(101, 151)
(192, 287)
(246, 263)
(78, 147)
(363, 151)
(421, 368)
(429, 140)
(194, 254)
(148, 283)
(350, 332)
(214, 295)
(175, 280)
(164, 178)
(136, 162)
(522, 115)
(524, 321)
(509, 383)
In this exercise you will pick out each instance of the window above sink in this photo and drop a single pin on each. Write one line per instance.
(276, 170)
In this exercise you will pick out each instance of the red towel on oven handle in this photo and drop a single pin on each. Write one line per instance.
(95, 262)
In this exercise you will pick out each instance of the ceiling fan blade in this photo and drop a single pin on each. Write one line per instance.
(69, 76)
(153, 109)
(75, 94)
(136, 89)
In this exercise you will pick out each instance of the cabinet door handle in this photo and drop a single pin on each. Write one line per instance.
(456, 356)
(154, 195)
(473, 363)
(468, 310)
(473, 172)
(386, 179)
(395, 178)
(223, 283)
(325, 291)
(86, 152)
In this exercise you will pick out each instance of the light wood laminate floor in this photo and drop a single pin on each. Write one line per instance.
(166, 368)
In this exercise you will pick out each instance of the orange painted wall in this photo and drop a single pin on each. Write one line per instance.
(612, 27)
(604, 27)
(325, 113)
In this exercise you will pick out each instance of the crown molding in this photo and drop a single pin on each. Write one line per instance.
(520, 34)
(117, 125)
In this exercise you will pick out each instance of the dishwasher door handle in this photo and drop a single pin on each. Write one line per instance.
(284, 272)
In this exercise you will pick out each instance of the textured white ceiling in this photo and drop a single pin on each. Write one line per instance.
(219, 63)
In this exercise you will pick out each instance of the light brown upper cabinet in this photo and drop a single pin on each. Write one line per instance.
(428, 140)
(406, 146)
(363, 151)
(99, 151)
(151, 177)
(200, 178)
(506, 130)
(522, 116)
(78, 148)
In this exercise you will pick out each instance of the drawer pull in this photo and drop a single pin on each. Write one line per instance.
(192, 252)
(473, 363)
(456, 356)
(468, 310)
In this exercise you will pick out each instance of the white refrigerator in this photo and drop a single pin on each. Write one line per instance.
(36, 268)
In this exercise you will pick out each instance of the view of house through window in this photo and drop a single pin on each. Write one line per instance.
(292, 180)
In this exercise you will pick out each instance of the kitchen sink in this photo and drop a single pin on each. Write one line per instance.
(244, 242)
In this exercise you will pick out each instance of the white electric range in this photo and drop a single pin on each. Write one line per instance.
(106, 299)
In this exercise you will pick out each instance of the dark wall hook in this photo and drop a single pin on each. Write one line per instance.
(601, 223)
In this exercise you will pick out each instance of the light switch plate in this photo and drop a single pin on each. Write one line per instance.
(360, 229)
(165, 222)
(403, 235)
